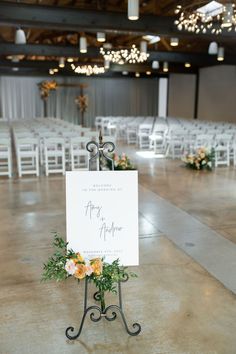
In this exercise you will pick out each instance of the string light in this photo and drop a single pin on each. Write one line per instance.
(88, 69)
(130, 56)
(213, 17)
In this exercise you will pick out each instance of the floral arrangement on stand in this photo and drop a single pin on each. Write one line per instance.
(66, 263)
(121, 162)
(202, 159)
(82, 102)
(45, 87)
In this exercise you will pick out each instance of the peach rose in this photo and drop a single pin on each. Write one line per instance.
(80, 272)
(89, 270)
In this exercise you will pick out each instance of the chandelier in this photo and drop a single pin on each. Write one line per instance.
(122, 56)
(214, 17)
(88, 69)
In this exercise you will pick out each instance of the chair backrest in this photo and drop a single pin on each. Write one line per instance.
(223, 137)
(70, 134)
(23, 144)
(5, 143)
(79, 142)
(48, 134)
(53, 143)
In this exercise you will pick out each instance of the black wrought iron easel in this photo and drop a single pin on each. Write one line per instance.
(98, 152)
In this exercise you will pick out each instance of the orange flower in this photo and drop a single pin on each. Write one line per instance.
(80, 272)
(96, 264)
(80, 258)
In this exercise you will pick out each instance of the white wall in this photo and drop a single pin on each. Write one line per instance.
(181, 97)
(217, 93)
(162, 97)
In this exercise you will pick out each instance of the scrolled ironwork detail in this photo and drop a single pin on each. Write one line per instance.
(93, 315)
(97, 296)
(99, 151)
(124, 278)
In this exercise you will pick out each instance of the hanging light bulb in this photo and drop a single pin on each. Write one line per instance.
(107, 64)
(107, 45)
(148, 73)
(20, 37)
(83, 44)
(133, 10)
(213, 48)
(125, 73)
(61, 62)
(143, 47)
(70, 60)
(174, 42)
(15, 59)
(155, 64)
(220, 56)
(165, 66)
(101, 37)
(137, 74)
(187, 65)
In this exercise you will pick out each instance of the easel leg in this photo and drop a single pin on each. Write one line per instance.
(103, 313)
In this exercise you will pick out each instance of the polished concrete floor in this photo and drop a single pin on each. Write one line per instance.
(185, 304)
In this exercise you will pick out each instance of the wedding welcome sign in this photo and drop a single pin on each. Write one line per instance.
(102, 214)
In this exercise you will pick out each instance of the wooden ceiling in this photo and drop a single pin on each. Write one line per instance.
(53, 28)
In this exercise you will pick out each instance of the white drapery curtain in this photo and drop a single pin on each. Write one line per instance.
(20, 98)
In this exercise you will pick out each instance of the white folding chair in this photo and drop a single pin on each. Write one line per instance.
(143, 136)
(54, 152)
(176, 143)
(79, 154)
(5, 157)
(131, 134)
(222, 149)
(27, 152)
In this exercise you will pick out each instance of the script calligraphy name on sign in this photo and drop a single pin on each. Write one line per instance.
(102, 214)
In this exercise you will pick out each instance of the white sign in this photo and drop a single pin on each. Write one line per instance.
(102, 214)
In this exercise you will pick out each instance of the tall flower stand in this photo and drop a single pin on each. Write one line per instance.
(98, 152)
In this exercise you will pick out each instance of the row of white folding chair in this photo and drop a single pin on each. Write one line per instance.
(55, 154)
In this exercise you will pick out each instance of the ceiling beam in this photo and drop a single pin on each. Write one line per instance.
(46, 50)
(43, 67)
(72, 19)
(199, 59)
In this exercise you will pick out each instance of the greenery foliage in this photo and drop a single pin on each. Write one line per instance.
(65, 263)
